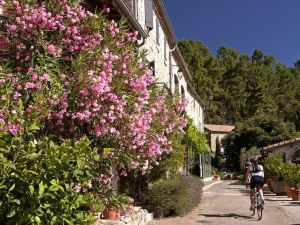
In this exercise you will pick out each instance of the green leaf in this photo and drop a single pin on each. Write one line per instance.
(80, 163)
(53, 220)
(96, 157)
(53, 181)
(77, 172)
(11, 213)
(9, 164)
(41, 188)
(17, 201)
(31, 171)
(34, 126)
(3, 186)
(31, 189)
(12, 188)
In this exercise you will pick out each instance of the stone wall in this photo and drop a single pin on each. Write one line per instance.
(289, 150)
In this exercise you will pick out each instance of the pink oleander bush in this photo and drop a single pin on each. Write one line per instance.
(68, 76)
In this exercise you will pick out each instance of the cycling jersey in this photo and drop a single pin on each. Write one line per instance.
(256, 171)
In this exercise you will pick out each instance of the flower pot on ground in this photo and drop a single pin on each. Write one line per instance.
(293, 179)
(296, 194)
(269, 183)
(113, 203)
(289, 175)
(217, 177)
(110, 214)
(274, 167)
(288, 192)
(278, 187)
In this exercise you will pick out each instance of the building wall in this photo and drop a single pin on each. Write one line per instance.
(156, 53)
(166, 68)
(289, 150)
(213, 138)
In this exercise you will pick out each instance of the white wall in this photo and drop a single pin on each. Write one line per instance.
(164, 70)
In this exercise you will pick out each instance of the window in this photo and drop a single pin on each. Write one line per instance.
(182, 91)
(176, 82)
(149, 13)
(152, 66)
(157, 31)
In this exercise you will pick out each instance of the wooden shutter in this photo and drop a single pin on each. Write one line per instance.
(149, 13)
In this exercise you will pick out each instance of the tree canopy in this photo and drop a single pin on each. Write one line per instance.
(255, 92)
(235, 87)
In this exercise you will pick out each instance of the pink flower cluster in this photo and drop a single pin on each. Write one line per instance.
(109, 98)
(13, 89)
(32, 22)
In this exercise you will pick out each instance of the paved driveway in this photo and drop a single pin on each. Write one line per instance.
(227, 203)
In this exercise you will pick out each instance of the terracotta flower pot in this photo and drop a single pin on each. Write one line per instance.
(269, 183)
(288, 192)
(277, 187)
(296, 194)
(110, 214)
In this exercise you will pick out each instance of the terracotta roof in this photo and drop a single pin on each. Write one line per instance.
(219, 128)
(271, 147)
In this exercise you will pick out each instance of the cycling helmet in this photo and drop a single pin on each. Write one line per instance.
(254, 159)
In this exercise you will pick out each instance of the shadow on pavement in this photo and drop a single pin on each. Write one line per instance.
(293, 204)
(244, 191)
(235, 183)
(278, 200)
(234, 215)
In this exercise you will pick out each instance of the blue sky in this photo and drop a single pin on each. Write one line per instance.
(270, 25)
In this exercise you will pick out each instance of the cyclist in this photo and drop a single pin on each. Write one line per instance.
(257, 179)
(247, 174)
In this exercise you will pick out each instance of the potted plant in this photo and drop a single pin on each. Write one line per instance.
(274, 169)
(288, 173)
(295, 182)
(113, 203)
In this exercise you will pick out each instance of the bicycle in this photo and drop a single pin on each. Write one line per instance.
(258, 203)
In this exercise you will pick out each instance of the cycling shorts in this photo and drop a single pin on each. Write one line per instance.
(257, 181)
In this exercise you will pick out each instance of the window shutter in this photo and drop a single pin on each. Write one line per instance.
(149, 13)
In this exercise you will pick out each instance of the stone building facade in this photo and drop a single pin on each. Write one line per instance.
(216, 133)
(290, 149)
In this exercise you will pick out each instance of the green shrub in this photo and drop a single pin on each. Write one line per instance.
(274, 167)
(193, 185)
(222, 175)
(291, 175)
(246, 155)
(45, 181)
(240, 177)
(173, 197)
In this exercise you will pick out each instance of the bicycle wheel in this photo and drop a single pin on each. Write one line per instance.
(259, 207)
